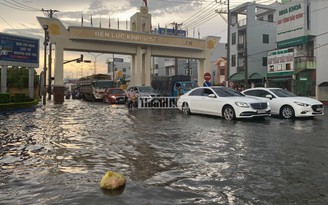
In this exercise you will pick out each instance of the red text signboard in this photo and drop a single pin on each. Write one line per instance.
(207, 76)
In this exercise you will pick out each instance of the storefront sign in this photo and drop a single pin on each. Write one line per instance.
(291, 25)
(281, 60)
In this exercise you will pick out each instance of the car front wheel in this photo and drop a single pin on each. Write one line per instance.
(229, 113)
(185, 109)
(287, 112)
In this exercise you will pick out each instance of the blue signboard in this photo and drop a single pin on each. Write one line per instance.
(172, 32)
(19, 51)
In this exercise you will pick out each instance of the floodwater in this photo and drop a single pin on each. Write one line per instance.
(58, 154)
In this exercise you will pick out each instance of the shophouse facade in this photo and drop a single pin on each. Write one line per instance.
(296, 64)
(301, 35)
(252, 35)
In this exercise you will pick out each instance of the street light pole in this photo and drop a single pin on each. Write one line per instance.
(95, 62)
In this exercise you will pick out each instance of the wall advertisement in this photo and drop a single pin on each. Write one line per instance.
(19, 51)
(281, 62)
(291, 24)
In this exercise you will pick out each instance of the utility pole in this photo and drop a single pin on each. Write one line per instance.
(50, 13)
(45, 43)
(228, 20)
(228, 47)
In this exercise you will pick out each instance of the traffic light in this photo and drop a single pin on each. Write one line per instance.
(79, 60)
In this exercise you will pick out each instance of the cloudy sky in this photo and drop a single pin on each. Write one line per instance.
(18, 17)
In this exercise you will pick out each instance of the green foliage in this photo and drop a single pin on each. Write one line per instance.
(17, 77)
(18, 97)
(12, 106)
(4, 98)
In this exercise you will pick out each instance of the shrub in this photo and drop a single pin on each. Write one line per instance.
(18, 97)
(4, 98)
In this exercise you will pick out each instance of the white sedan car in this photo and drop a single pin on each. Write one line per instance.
(287, 104)
(223, 102)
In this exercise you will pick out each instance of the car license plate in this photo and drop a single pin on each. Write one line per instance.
(261, 111)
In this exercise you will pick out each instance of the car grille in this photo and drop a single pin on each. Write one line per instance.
(317, 108)
(259, 106)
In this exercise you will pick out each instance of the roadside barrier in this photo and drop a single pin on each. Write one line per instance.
(157, 102)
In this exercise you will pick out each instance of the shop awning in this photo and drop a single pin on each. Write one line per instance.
(255, 76)
(237, 77)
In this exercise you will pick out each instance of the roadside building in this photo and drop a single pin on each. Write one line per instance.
(252, 34)
(220, 52)
(221, 69)
(298, 63)
(119, 69)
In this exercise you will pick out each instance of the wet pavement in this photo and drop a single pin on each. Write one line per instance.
(57, 154)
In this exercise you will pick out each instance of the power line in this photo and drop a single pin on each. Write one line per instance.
(197, 19)
(204, 19)
(25, 5)
(13, 6)
(9, 24)
(21, 6)
(200, 12)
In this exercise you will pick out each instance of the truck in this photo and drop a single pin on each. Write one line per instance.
(92, 87)
(174, 85)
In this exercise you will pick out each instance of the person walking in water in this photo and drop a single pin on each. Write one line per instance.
(132, 98)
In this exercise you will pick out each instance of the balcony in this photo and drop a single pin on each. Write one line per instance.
(242, 23)
(241, 46)
(305, 62)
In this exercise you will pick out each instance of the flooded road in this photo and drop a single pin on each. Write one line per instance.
(57, 154)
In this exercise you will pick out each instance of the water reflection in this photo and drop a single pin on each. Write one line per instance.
(58, 154)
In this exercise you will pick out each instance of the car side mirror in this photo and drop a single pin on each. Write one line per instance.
(269, 96)
(211, 96)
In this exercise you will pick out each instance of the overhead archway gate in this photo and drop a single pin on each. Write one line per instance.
(141, 46)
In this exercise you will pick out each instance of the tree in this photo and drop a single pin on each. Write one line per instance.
(17, 77)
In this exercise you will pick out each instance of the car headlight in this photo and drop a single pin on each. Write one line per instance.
(241, 104)
(301, 104)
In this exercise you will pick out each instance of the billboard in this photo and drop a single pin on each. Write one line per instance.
(291, 25)
(172, 32)
(281, 62)
(19, 51)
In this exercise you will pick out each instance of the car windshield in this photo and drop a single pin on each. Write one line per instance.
(117, 91)
(227, 92)
(146, 89)
(282, 93)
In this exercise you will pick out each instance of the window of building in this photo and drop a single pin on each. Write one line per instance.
(233, 38)
(265, 38)
(222, 72)
(287, 66)
(264, 61)
(124, 70)
(261, 18)
(270, 17)
(233, 60)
